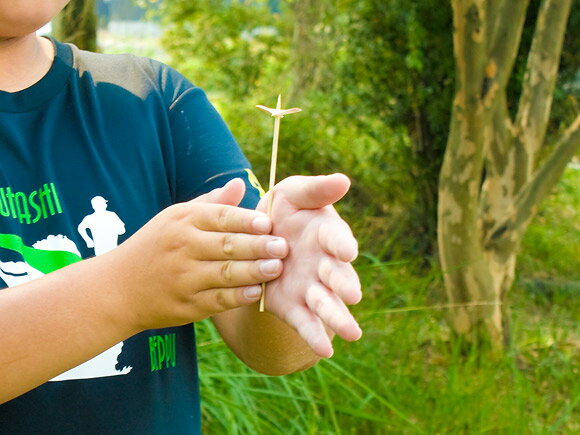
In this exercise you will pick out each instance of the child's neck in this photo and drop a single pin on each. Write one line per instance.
(24, 61)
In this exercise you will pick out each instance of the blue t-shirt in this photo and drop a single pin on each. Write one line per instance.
(88, 155)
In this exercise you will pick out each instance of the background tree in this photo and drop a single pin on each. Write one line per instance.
(227, 47)
(493, 176)
(398, 66)
(77, 23)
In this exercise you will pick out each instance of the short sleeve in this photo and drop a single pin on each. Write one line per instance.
(206, 153)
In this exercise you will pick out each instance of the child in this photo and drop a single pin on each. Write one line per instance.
(100, 157)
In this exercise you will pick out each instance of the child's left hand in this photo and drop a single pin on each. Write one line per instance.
(318, 280)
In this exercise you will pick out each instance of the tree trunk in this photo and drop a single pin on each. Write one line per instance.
(426, 168)
(77, 24)
(476, 278)
(491, 183)
(307, 61)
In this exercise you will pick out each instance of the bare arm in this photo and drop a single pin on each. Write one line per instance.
(189, 262)
(49, 326)
(264, 342)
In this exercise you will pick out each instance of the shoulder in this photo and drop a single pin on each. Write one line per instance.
(139, 75)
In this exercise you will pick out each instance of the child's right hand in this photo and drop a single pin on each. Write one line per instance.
(196, 259)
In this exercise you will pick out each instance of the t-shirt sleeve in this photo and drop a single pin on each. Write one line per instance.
(206, 153)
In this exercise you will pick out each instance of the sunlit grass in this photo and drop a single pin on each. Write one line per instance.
(406, 375)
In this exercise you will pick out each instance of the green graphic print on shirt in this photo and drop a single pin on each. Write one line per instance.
(43, 202)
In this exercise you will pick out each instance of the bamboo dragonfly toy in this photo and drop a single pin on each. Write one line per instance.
(278, 113)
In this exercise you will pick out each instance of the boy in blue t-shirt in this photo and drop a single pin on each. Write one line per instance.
(120, 161)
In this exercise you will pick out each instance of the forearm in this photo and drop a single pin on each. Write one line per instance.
(264, 342)
(52, 324)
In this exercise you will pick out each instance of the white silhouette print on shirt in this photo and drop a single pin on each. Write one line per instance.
(105, 227)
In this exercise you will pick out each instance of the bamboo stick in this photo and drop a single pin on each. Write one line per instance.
(277, 114)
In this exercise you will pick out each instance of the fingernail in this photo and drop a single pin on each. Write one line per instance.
(253, 292)
(262, 224)
(276, 247)
(270, 267)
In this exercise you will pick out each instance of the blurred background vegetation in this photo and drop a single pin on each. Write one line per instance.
(375, 79)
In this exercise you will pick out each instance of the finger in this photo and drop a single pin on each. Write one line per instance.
(233, 273)
(311, 329)
(313, 192)
(238, 246)
(332, 311)
(226, 218)
(215, 301)
(230, 194)
(342, 279)
(336, 239)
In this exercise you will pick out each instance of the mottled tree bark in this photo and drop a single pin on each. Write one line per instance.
(77, 23)
(491, 181)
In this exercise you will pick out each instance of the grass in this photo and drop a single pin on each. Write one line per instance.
(407, 375)
(403, 377)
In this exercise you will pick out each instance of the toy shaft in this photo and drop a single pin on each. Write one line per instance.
(271, 188)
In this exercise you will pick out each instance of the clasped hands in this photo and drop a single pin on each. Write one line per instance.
(206, 256)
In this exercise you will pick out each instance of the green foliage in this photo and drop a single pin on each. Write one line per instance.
(398, 67)
(77, 24)
(207, 41)
(551, 246)
(399, 62)
(226, 47)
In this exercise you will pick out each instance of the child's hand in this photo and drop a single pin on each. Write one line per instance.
(196, 259)
(318, 280)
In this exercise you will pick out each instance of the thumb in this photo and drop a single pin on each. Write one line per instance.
(313, 192)
(231, 194)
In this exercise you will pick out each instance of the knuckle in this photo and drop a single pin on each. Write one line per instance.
(336, 281)
(226, 271)
(228, 245)
(324, 270)
(177, 212)
(317, 304)
(314, 301)
(177, 244)
(223, 218)
(292, 317)
(221, 301)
